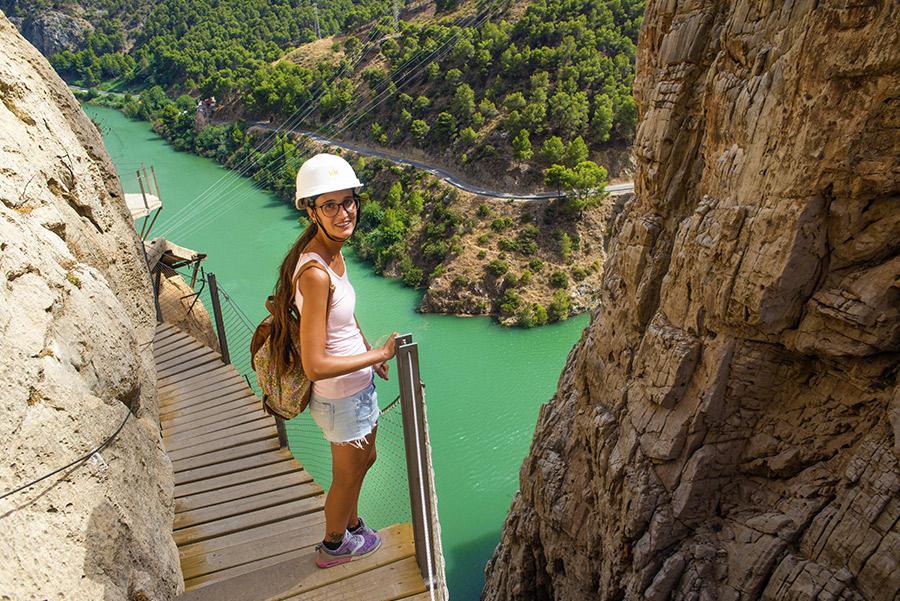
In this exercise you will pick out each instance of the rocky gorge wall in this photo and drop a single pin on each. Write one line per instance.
(76, 326)
(728, 427)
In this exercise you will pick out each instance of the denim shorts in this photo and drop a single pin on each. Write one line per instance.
(348, 420)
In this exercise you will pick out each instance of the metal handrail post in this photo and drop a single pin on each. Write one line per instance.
(217, 313)
(411, 402)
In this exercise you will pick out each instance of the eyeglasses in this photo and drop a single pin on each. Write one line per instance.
(330, 208)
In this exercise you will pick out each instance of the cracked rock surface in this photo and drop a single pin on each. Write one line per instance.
(76, 325)
(728, 427)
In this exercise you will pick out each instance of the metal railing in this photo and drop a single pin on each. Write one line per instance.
(420, 475)
(229, 331)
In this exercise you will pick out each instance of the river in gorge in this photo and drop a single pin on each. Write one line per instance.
(484, 383)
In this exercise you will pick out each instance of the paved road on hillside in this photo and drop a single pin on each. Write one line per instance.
(614, 189)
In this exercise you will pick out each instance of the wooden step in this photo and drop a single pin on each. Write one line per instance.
(240, 491)
(295, 575)
(231, 466)
(246, 450)
(236, 523)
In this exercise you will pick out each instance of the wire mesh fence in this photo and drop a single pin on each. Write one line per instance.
(185, 296)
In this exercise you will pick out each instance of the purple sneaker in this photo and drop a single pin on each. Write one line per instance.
(373, 539)
(352, 547)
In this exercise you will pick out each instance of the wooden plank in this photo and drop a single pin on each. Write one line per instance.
(275, 544)
(219, 436)
(189, 377)
(176, 340)
(183, 364)
(247, 504)
(215, 396)
(237, 464)
(186, 343)
(220, 394)
(167, 339)
(173, 438)
(250, 519)
(180, 419)
(242, 477)
(225, 455)
(295, 572)
(218, 445)
(164, 364)
(161, 335)
(184, 392)
(197, 589)
(174, 426)
(189, 396)
(385, 583)
(183, 423)
(239, 491)
(311, 521)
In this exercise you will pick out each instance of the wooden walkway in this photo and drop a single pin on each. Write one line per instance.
(247, 515)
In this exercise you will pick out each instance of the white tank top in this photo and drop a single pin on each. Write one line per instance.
(342, 335)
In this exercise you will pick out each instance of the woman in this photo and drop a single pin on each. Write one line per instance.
(335, 355)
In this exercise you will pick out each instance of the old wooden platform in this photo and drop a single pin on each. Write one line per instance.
(247, 515)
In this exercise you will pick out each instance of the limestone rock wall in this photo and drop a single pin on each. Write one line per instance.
(728, 427)
(76, 327)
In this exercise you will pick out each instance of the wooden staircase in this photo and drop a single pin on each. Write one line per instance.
(247, 515)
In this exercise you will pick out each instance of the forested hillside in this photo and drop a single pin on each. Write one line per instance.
(517, 96)
(510, 90)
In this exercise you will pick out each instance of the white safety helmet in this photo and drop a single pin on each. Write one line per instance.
(324, 173)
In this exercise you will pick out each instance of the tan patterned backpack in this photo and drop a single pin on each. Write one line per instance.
(288, 395)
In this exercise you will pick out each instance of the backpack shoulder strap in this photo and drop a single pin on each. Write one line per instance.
(317, 265)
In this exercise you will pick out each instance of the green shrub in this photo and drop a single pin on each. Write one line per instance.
(484, 210)
(507, 244)
(498, 267)
(540, 314)
(460, 281)
(500, 224)
(483, 239)
(510, 280)
(481, 254)
(559, 308)
(410, 274)
(535, 264)
(579, 273)
(559, 279)
(525, 278)
(510, 303)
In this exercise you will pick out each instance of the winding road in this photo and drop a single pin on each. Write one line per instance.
(613, 189)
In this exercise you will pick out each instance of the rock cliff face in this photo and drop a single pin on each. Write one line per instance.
(76, 325)
(53, 31)
(728, 427)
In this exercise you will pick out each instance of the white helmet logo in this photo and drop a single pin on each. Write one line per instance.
(332, 172)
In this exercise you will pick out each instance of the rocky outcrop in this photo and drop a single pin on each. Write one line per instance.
(76, 326)
(53, 31)
(728, 427)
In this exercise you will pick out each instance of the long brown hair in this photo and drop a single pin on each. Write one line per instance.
(285, 335)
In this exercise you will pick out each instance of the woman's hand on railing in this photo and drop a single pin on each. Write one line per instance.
(389, 348)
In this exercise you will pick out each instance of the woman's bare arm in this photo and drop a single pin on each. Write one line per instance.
(318, 364)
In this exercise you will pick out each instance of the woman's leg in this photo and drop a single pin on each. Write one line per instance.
(348, 466)
(353, 520)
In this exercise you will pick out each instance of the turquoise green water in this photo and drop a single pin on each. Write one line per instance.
(484, 383)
